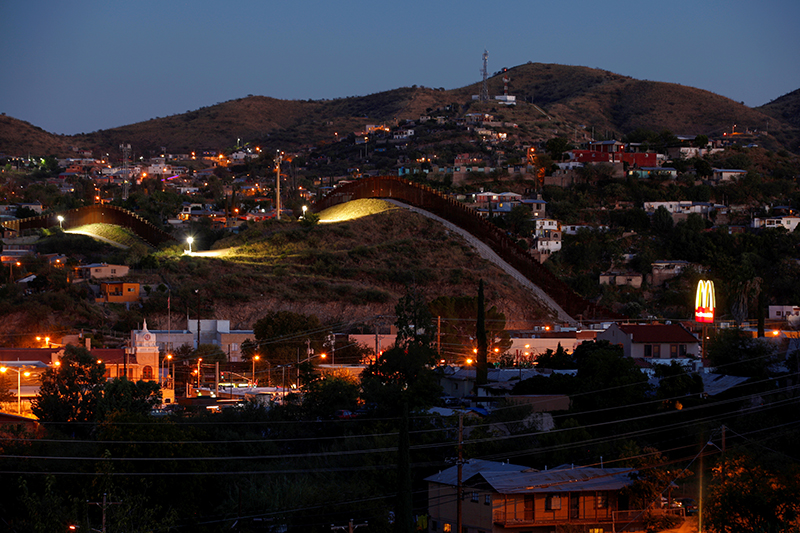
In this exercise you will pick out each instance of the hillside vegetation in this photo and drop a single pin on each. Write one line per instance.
(568, 100)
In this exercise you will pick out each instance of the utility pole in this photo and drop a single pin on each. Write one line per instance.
(105, 503)
(349, 527)
(460, 467)
(278, 159)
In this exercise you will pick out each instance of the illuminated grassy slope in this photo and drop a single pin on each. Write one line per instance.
(357, 263)
(110, 233)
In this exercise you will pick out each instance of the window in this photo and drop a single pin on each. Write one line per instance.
(648, 350)
(682, 350)
(553, 502)
(446, 528)
(475, 497)
(596, 530)
(602, 500)
(147, 372)
(434, 525)
(487, 500)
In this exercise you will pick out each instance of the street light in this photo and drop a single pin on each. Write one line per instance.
(199, 360)
(190, 240)
(255, 358)
(20, 373)
(320, 355)
(60, 221)
(169, 360)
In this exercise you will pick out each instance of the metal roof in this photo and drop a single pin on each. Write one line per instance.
(505, 478)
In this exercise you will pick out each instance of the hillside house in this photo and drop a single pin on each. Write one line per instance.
(655, 343)
(788, 222)
(785, 313)
(502, 497)
(118, 292)
(622, 279)
(727, 174)
(99, 271)
(653, 172)
(664, 270)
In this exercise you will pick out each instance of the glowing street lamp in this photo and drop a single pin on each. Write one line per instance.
(20, 373)
(60, 221)
(190, 240)
(255, 358)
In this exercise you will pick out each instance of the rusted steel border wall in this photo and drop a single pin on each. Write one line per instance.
(459, 214)
(92, 214)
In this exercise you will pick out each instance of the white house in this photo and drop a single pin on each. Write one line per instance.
(788, 222)
(656, 343)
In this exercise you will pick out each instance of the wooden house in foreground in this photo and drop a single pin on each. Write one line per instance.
(501, 497)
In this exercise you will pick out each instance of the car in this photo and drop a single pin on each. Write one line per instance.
(344, 414)
(689, 505)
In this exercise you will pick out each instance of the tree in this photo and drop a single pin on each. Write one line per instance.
(701, 141)
(746, 496)
(71, 391)
(519, 218)
(662, 220)
(736, 353)
(481, 363)
(210, 353)
(402, 375)
(558, 360)
(557, 146)
(323, 397)
(281, 333)
(457, 315)
(121, 395)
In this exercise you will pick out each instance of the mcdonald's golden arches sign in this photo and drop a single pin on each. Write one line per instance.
(705, 302)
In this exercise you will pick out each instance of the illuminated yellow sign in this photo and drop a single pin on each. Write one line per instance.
(705, 302)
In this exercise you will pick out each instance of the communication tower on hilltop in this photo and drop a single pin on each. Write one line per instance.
(485, 73)
(126, 176)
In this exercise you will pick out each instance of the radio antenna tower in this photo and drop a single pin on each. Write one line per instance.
(485, 73)
(126, 176)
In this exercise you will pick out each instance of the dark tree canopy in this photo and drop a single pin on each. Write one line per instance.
(71, 391)
(281, 333)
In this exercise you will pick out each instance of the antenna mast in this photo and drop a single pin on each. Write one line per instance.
(485, 73)
(126, 152)
(278, 159)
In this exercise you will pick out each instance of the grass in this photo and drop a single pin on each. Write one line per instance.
(114, 235)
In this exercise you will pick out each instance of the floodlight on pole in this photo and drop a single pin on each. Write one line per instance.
(190, 240)
(60, 221)
(5, 369)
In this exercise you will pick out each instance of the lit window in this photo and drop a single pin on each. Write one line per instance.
(553, 502)
(602, 500)
(446, 527)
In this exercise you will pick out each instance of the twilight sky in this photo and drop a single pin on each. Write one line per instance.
(79, 65)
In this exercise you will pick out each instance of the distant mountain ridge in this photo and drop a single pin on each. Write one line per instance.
(567, 99)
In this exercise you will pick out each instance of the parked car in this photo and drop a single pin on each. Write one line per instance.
(689, 505)
(344, 414)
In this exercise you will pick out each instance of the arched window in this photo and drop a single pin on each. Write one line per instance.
(147, 372)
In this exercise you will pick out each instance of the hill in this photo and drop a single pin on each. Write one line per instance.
(552, 100)
(347, 271)
(18, 137)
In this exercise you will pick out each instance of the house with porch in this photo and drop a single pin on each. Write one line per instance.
(502, 497)
(656, 343)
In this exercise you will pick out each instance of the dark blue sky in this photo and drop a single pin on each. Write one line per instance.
(78, 66)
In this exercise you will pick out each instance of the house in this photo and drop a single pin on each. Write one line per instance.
(655, 343)
(118, 292)
(787, 222)
(547, 237)
(653, 172)
(503, 497)
(99, 271)
(727, 174)
(787, 313)
(621, 279)
(664, 270)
